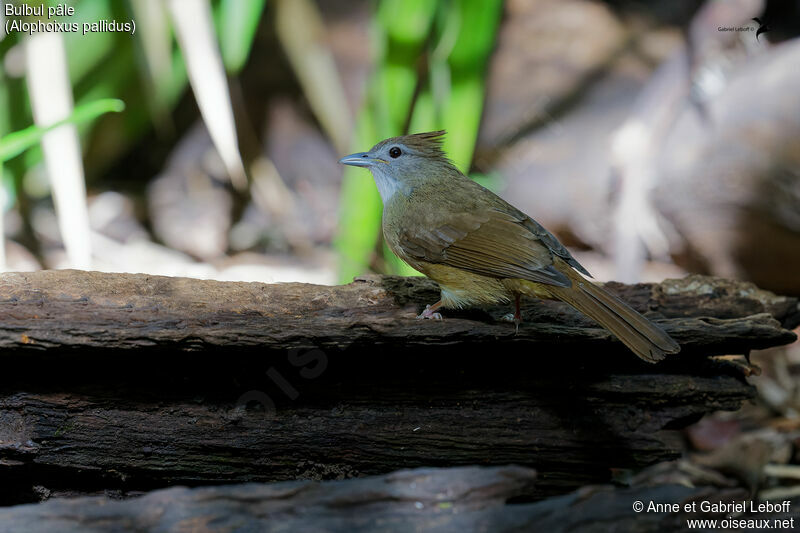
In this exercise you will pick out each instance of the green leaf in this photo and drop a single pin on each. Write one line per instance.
(407, 21)
(478, 20)
(238, 21)
(86, 52)
(401, 30)
(15, 143)
(451, 98)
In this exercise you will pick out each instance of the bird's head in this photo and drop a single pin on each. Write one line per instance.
(398, 164)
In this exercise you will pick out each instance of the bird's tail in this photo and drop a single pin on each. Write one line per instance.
(644, 338)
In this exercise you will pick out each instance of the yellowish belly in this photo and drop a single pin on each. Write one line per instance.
(464, 289)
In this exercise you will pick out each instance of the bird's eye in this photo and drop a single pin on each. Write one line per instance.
(395, 152)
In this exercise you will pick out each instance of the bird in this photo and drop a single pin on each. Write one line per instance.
(482, 250)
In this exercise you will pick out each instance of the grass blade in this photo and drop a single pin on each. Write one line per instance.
(195, 31)
(238, 23)
(13, 144)
(51, 101)
(301, 32)
(401, 29)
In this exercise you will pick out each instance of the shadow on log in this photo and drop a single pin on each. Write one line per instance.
(134, 382)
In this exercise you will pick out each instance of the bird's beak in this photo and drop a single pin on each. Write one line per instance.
(359, 159)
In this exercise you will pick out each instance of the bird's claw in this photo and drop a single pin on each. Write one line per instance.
(429, 314)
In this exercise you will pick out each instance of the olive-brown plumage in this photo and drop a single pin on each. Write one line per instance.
(479, 248)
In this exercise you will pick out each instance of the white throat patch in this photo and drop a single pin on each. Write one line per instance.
(388, 186)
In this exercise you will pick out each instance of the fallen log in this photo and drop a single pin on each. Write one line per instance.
(467, 499)
(52, 310)
(416, 500)
(131, 382)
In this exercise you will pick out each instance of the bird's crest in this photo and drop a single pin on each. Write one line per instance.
(428, 144)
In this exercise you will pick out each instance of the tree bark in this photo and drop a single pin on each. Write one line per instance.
(467, 499)
(52, 310)
(132, 382)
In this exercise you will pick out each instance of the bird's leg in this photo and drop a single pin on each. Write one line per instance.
(430, 311)
(516, 318)
(517, 313)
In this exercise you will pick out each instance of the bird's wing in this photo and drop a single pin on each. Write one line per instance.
(491, 243)
(553, 244)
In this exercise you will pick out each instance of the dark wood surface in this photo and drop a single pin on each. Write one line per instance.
(52, 310)
(128, 383)
(467, 499)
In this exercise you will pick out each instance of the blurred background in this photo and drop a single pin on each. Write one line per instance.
(653, 138)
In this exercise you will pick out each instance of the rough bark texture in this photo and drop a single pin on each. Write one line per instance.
(469, 499)
(133, 382)
(71, 309)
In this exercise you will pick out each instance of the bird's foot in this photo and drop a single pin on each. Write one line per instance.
(430, 313)
(516, 316)
(512, 317)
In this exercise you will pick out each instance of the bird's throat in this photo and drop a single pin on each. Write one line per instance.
(388, 186)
